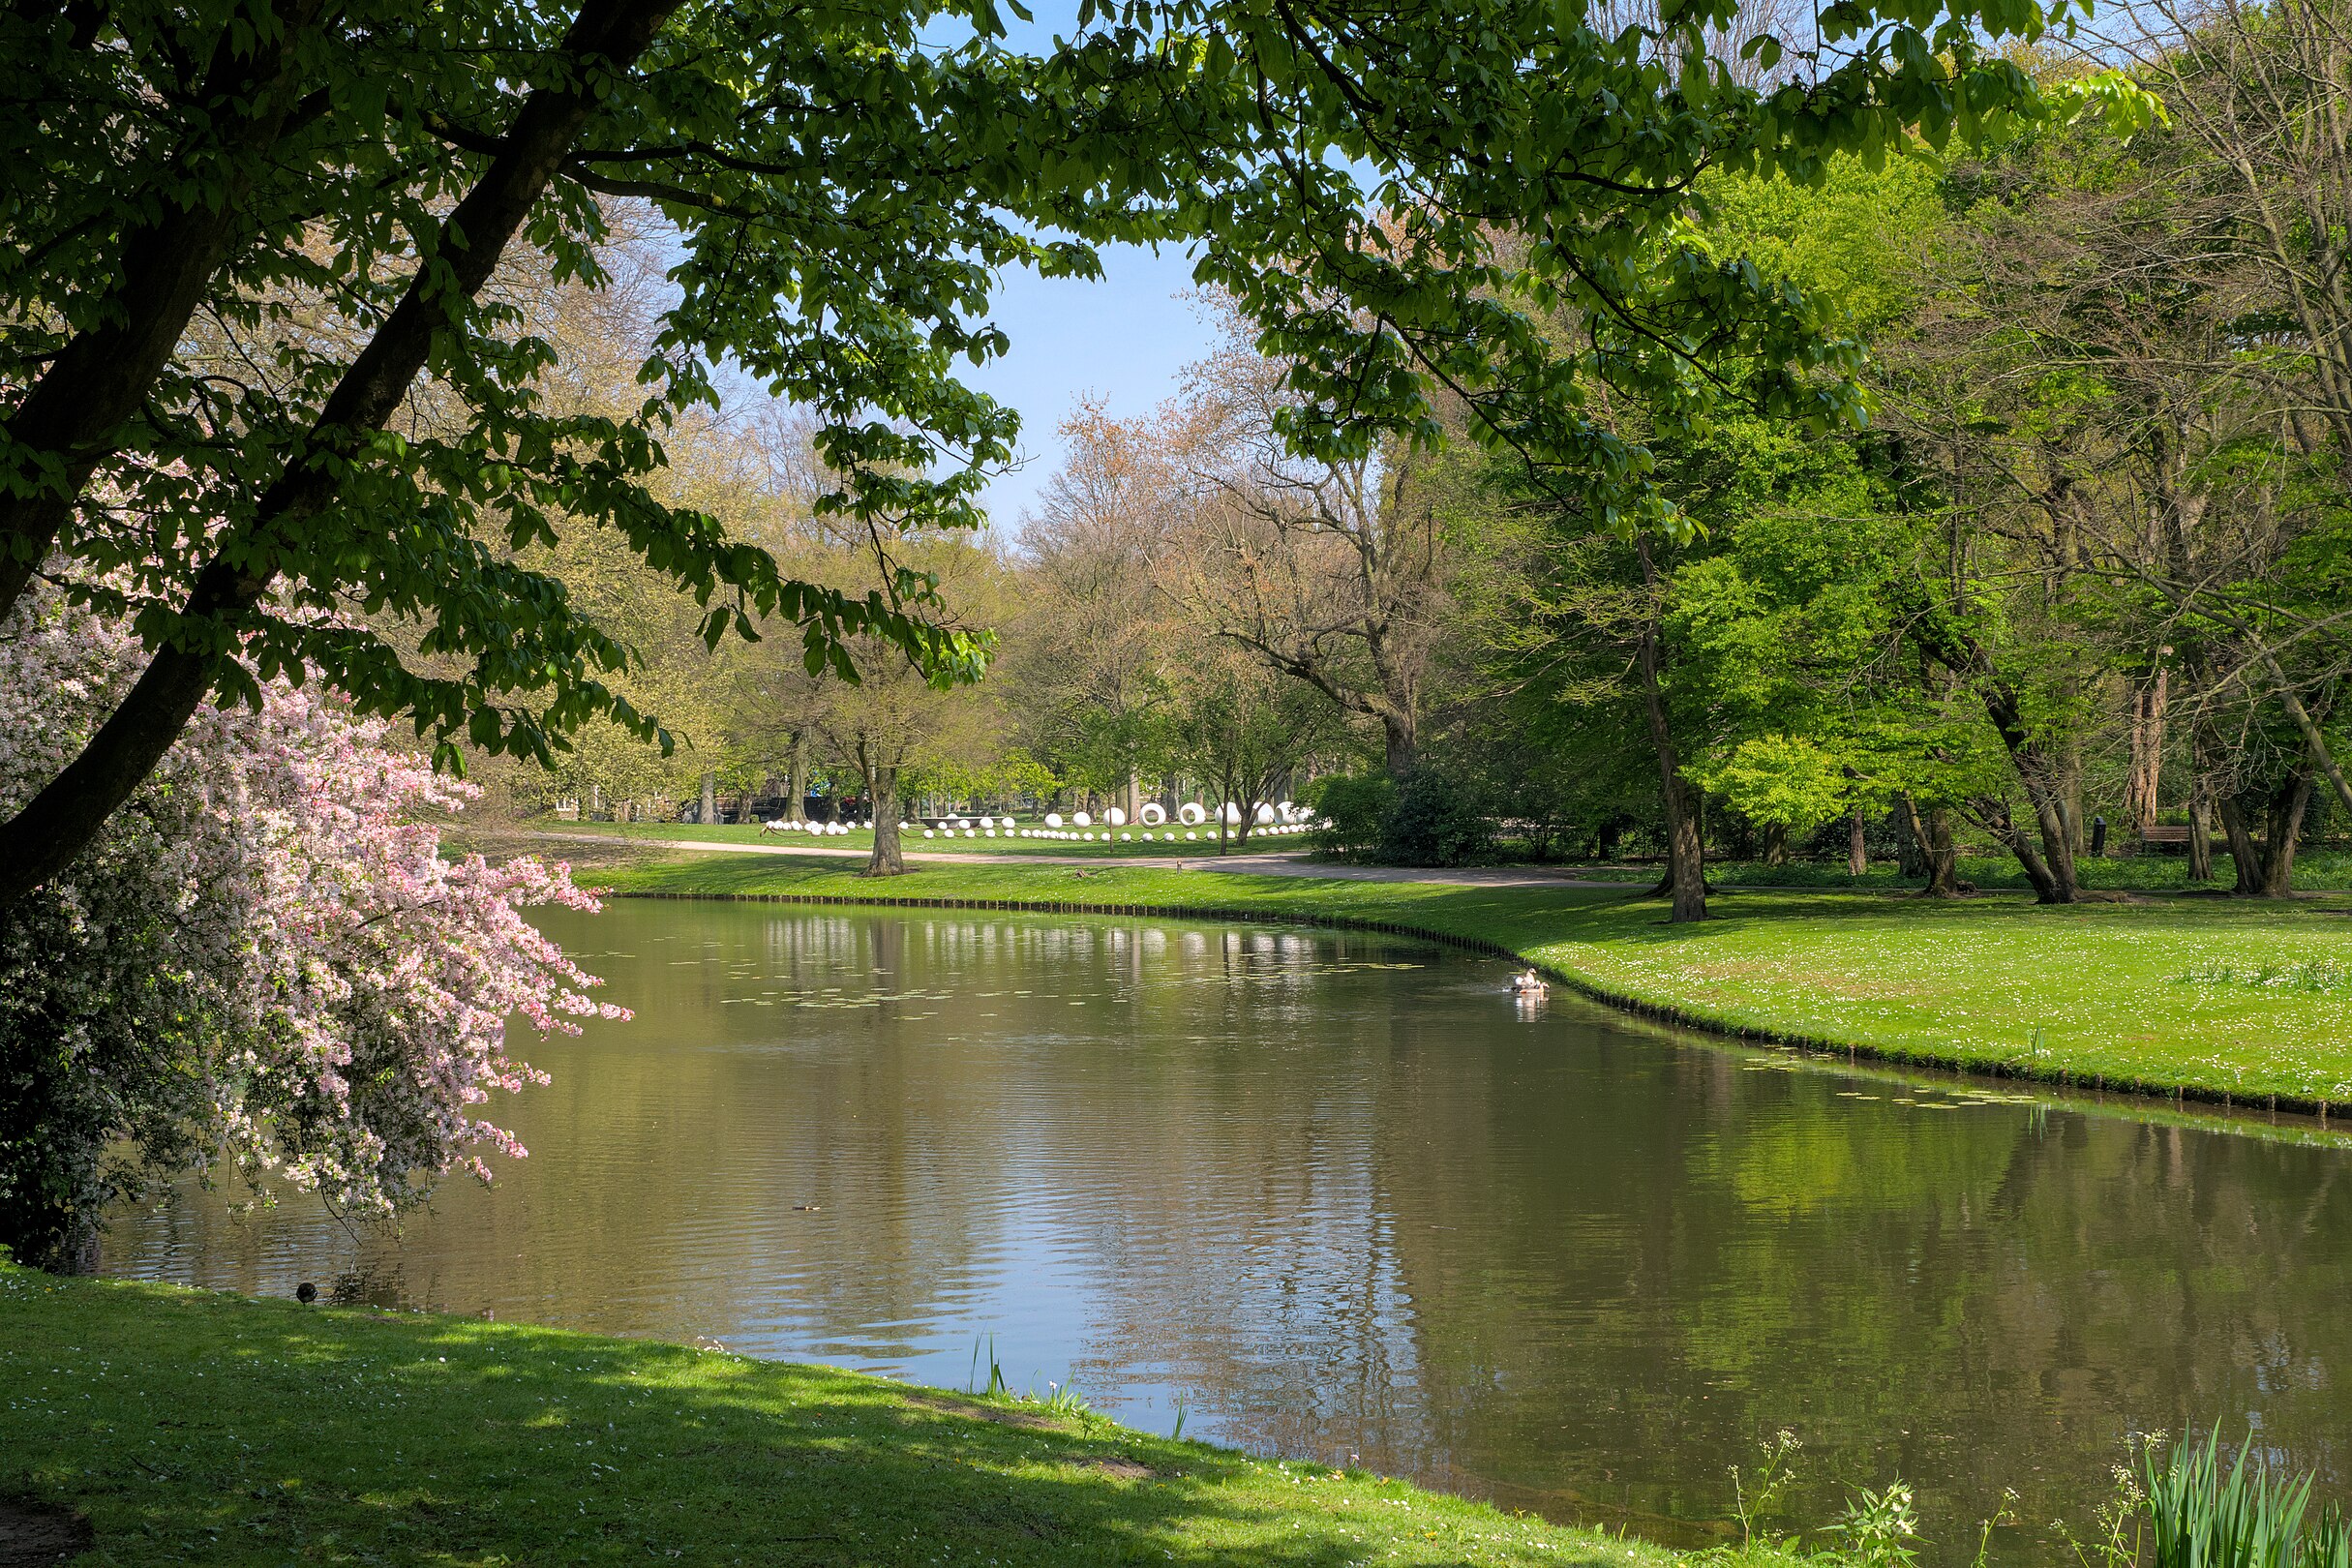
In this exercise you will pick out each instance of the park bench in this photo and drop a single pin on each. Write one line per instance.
(2164, 833)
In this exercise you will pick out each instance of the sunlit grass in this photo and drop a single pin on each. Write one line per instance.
(193, 1426)
(2315, 869)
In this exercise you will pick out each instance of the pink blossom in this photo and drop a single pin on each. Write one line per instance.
(269, 935)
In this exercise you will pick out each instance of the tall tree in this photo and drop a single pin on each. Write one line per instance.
(892, 722)
(1334, 572)
(252, 241)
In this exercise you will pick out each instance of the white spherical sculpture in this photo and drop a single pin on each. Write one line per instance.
(1152, 814)
(1116, 816)
(1190, 838)
(930, 832)
(1083, 819)
(1192, 814)
(1053, 819)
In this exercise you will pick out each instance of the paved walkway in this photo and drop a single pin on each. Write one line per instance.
(1263, 865)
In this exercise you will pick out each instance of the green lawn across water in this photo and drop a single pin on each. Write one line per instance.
(191, 1427)
(2248, 999)
(1160, 845)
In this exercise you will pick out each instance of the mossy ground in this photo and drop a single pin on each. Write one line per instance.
(198, 1428)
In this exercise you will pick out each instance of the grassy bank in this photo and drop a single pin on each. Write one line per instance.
(191, 1427)
(1164, 843)
(2218, 997)
(2315, 869)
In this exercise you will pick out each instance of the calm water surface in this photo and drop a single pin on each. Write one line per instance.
(1341, 1198)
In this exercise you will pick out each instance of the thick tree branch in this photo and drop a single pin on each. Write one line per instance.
(44, 838)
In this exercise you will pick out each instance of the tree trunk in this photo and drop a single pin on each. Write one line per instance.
(2322, 759)
(2142, 792)
(1397, 746)
(1994, 813)
(44, 837)
(1775, 842)
(1911, 851)
(709, 801)
(882, 796)
(2052, 872)
(2058, 846)
(797, 780)
(2244, 859)
(2201, 831)
(2288, 802)
(1936, 848)
(2043, 775)
(1685, 852)
(1858, 846)
(1685, 849)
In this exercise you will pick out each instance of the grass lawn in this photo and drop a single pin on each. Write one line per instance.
(2248, 999)
(191, 1427)
(1105, 840)
(2315, 869)
(2320, 869)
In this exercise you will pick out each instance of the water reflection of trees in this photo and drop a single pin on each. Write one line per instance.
(1364, 1210)
(1973, 1298)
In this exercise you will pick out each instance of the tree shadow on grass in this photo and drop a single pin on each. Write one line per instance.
(199, 1427)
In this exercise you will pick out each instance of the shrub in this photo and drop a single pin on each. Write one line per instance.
(1352, 813)
(1436, 819)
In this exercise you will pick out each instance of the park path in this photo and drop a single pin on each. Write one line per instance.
(1260, 864)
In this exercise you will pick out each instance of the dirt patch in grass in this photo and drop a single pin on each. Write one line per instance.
(33, 1535)
(980, 1412)
(1125, 1470)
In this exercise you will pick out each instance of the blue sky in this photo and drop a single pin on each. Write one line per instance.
(1125, 338)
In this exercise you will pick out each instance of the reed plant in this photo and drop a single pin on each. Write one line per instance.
(2248, 1517)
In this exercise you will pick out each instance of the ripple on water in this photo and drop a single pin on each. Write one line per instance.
(1344, 1199)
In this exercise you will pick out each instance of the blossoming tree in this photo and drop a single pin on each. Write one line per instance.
(263, 966)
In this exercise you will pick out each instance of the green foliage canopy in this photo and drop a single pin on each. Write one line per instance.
(264, 377)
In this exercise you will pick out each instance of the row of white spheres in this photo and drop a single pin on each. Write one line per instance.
(1284, 818)
(969, 827)
(820, 829)
(1080, 826)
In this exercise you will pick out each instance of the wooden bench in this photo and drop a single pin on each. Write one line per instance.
(2164, 833)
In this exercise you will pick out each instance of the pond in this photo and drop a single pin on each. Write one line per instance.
(1335, 1197)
